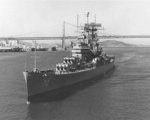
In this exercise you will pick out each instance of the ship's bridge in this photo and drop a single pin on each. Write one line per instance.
(81, 50)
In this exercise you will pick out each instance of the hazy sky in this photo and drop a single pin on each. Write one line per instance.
(45, 17)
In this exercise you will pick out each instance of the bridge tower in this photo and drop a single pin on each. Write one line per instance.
(63, 37)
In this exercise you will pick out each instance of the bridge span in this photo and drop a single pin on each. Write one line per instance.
(73, 37)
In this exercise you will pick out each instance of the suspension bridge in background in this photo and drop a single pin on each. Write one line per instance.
(73, 37)
(66, 37)
(63, 38)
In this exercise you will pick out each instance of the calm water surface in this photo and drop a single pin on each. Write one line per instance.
(124, 94)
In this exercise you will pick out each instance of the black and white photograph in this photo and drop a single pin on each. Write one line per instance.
(74, 60)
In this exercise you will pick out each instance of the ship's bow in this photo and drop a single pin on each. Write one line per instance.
(25, 74)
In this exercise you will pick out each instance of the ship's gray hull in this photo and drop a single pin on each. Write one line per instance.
(39, 83)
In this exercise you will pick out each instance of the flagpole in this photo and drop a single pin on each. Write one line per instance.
(25, 64)
(34, 55)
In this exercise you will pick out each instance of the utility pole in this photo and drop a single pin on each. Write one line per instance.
(63, 38)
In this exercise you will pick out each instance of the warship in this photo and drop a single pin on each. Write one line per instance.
(87, 61)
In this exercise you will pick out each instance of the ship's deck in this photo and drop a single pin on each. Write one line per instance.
(77, 71)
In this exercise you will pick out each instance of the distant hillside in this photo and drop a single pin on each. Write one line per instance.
(115, 43)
